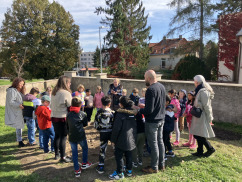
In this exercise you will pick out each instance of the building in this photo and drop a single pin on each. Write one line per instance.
(163, 55)
(86, 59)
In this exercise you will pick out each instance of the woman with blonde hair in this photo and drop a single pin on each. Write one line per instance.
(14, 107)
(60, 102)
(201, 119)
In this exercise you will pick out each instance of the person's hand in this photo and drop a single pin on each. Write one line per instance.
(142, 105)
(21, 106)
(113, 145)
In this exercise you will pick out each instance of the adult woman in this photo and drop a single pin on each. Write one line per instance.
(200, 127)
(13, 108)
(115, 92)
(60, 101)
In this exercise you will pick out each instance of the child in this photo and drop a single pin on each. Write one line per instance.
(89, 104)
(43, 114)
(80, 93)
(124, 93)
(175, 101)
(123, 137)
(97, 103)
(29, 104)
(104, 124)
(76, 120)
(168, 127)
(183, 101)
(135, 96)
(192, 141)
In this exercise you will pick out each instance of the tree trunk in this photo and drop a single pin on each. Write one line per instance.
(201, 32)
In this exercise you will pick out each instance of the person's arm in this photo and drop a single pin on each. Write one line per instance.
(149, 103)
(68, 99)
(11, 98)
(206, 104)
(84, 119)
(110, 89)
(117, 126)
(46, 113)
(120, 91)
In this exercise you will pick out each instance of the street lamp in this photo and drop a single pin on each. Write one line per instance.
(101, 27)
(239, 35)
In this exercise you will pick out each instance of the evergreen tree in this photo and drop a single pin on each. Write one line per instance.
(48, 32)
(195, 16)
(228, 6)
(128, 36)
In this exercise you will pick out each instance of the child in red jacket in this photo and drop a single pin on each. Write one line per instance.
(43, 116)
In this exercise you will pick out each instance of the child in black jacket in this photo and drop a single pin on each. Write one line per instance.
(168, 127)
(76, 120)
(123, 136)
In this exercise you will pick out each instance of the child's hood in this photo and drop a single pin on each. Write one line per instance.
(127, 111)
(29, 97)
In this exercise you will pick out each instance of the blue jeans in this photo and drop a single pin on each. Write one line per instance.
(74, 149)
(48, 134)
(31, 129)
(41, 145)
(154, 134)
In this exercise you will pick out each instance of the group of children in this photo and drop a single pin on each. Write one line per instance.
(125, 128)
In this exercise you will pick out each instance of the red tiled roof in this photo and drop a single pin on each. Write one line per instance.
(165, 45)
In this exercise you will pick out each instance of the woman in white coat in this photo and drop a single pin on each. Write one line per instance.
(13, 108)
(201, 127)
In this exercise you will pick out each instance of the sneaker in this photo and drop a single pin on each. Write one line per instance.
(78, 173)
(21, 144)
(134, 164)
(129, 173)
(65, 160)
(100, 169)
(140, 163)
(193, 147)
(186, 144)
(116, 176)
(176, 143)
(149, 170)
(170, 154)
(57, 156)
(86, 165)
(209, 152)
(161, 168)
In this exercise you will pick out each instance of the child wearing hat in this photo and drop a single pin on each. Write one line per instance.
(43, 113)
(192, 141)
(168, 127)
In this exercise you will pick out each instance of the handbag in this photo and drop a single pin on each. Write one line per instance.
(197, 112)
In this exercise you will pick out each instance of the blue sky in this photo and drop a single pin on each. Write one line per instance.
(84, 16)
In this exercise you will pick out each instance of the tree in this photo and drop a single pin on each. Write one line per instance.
(211, 58)
(228, 6)
(190, 66)
(195, 16)
(49, 33)
(128, 36)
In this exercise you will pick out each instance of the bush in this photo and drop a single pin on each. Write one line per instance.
(188, 67)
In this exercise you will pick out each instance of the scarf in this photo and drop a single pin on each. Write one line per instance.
(199, 87)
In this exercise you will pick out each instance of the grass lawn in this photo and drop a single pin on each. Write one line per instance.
(224, 165)
(8, 82)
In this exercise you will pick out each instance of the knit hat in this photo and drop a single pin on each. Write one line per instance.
(192, 93)
(45, 98)
(170, 106)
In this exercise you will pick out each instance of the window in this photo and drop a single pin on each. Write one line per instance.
(163, 65)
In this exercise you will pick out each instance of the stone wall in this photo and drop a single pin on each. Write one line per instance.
(41, 85)
(227, 103)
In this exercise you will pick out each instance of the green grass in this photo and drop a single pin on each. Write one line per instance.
(8, 82)
(229, 126)
(10, 167)
(224, 165)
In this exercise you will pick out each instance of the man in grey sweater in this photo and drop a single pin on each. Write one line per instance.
(154, 112)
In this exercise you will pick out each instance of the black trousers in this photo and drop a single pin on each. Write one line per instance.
(202, 141)
(60, 138)
(119, 159)
(89, 113)
(104, 138)
(167, 142)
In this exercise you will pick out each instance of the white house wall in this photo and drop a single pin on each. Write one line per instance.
(225, 73)
(156, 62)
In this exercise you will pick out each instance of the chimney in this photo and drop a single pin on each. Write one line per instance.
(180, 36)
(164, 40)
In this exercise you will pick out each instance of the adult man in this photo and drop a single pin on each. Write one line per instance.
(154, 112)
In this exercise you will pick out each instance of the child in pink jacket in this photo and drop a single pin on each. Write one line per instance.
(97, 103)
(175, 101)
(192, 141)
